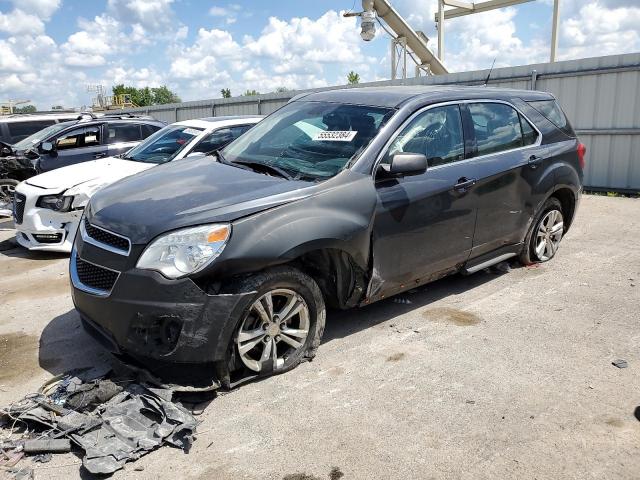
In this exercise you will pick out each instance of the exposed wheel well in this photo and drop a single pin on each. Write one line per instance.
(568, 201)
(340, 279)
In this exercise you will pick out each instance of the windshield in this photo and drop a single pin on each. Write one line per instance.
(40, 136)
(309, 140)
(164, 145)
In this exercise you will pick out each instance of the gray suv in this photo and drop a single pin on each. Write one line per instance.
(340, 198)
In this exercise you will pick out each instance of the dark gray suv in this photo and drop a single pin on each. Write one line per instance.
(89, 137)
(340, 198)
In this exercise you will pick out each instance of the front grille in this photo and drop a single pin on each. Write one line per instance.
(19, 201)
(107, 238)
(94, 276)
(48, 237)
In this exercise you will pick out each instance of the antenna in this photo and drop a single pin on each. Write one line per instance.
(490, 70)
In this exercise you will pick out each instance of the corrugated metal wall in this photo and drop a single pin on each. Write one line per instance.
(601, 97)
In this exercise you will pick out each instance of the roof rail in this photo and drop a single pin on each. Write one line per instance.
(125, 115)
(87, 114)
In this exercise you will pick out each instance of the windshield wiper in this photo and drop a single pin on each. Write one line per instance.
(255, 166)
(263, 166)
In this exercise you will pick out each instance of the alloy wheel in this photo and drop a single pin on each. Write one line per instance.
(275, 328)
(550, 230)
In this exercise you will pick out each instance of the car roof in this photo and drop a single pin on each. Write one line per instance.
(111, 119)
(222, 121)
(34, 117)
(395, 96)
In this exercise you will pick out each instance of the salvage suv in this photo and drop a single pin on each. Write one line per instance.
(340, 198)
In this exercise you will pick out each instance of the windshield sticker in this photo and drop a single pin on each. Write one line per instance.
(335, 136)
(191, 131)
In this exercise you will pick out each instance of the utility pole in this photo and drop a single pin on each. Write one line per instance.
(441, 30)
(554, 29)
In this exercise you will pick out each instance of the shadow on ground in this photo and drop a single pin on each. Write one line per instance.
(65, 346)
(341, 324)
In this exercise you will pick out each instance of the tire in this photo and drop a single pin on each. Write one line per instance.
(287, 288)
(7, 189)
(546, 229)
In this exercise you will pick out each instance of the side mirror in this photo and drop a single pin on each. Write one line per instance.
(405, 164)
(46, 147)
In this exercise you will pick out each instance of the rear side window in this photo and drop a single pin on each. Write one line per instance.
(123, 132)
(436, 133)
(551, 110)
(220, 138)
(149, 130)
(497, 127)
(20, 130)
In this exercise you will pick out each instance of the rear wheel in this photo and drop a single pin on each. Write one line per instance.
(543, 240)
(283, 323)
(7, 191)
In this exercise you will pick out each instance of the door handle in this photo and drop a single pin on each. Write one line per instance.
(99, 155)
(464, 183)
(535, 161)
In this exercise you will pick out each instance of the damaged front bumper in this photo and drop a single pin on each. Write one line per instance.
(42, 228)
(146, 317)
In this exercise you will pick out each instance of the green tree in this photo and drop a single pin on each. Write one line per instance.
(281, 90)
(25, 109)
(353, 78)
(226, 93)
(249, 93)
(162, 95)
(146, 96)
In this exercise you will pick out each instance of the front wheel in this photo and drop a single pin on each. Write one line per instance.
(283, 323)
(543, 240)
(7, 191)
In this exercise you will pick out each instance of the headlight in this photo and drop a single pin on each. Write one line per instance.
(59, 203)
(185, 251)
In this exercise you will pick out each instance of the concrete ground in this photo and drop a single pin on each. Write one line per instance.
(488, 376)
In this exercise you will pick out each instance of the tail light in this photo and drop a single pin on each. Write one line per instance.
(581, 152)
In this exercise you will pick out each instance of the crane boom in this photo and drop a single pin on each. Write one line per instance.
(385, 10)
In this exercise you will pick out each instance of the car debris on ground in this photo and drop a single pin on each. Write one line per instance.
(110, 415)
(620, 363)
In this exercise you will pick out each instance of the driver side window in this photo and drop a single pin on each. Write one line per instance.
(81, 137)
(436, 133)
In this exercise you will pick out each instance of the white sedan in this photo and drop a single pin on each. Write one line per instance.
(48, 207)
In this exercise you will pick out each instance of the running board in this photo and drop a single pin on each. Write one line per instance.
(488, 263)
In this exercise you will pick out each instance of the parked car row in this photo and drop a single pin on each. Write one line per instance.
(48, 206)
(338, 199)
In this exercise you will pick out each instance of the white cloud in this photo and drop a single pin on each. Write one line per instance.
(152, 15)
(98, 39)
(17, 22)
(42, 8)
(598, 30)
(229, 13)
(9, 60)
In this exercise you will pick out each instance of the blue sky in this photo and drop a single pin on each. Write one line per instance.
(51, 49)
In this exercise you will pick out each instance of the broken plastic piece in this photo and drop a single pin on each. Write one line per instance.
(47, 445)
(620, 363)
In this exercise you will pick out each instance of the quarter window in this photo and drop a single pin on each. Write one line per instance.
(551, 110)
(497, 127)
(529, 135)
(436, 133)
